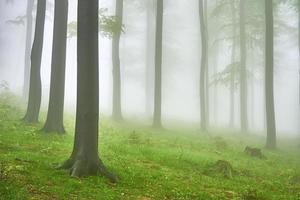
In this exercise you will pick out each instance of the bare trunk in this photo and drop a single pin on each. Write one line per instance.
(158, 62)
(203, 68)
(85, 160)
(117, 102)
(35, 88)
(243, 69)
(269, 76)
(54, 122)
(28, 46)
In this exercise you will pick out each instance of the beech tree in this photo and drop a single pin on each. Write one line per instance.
(117, 103)
(269, 76)
(35, 87)
(54, 121)
(84, 160)
(158, 65)
(203, 68)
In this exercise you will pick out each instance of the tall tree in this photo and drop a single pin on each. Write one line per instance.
(117, 103)
(35, 87)
(84, 160)
(207, 77)
(269, 76)
(149, 72)
(233, 65)
(158, 63)
(29, 25)
(203, 67)
(54, 122)
(243, 68)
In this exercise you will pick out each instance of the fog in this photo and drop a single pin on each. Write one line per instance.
(181, 66)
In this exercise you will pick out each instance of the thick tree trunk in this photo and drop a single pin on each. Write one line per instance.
(243, 69)
(54, 122)
(158, 63)
(269, 76)
(85, 160)
(28, 45)
(203, 68)
(150, 43)
(233, 71)
(35, 88)
(117, 102)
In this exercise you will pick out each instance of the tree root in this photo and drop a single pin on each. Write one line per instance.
(83, 168)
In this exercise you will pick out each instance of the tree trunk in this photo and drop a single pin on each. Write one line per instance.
(149, 72)
(28, 45)
(54, 122)
(243, 69)
(85, 160)
(35, 88)
(269, 76)
(203, 30)
(233, 71)
(207, 78)
(158, 63)
(117, 103)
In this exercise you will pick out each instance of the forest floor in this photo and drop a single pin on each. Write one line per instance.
(151, 164)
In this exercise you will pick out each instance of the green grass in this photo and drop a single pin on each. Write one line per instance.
(151, 164)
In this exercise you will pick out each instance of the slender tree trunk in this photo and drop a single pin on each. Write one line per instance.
(35, 88)
(243, 69)
(54, 122)
(158, 63)
(269, 76)
(149, 72)
(203, 68)
(299, 44)
(233, 70)
(117, 102)
(28, 45)
(85, 160)
(207, 78)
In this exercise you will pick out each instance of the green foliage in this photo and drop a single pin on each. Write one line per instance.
(108, 25)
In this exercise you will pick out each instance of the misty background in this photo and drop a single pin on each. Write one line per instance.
(181, 66)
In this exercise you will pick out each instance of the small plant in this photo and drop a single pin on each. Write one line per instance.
(3, 172)
(134, 138)
(252, 194)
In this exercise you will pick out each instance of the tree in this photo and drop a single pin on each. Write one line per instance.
(35, 87)
(149, 72)
(243, 70)
(158, 63)
(203, 68)
(117, 103)
(30, 5)
(233, 66)
(54, 122)
(269, 75)
(84, 160)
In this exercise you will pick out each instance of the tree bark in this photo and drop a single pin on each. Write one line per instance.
(150, 43)
(243, 70)
(269, 76)
(233, 71)
(207, 78)
(35, 88)
(158, 65)
(203, 67)
(117, 102)
(54, 122)
(84, 160)
(28, 45)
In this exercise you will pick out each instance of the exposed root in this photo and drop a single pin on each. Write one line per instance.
(83, 168)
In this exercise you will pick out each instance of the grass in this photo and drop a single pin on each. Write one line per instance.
(151, 164)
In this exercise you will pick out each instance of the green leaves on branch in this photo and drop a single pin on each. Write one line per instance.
(231, 71)
(108, 25)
